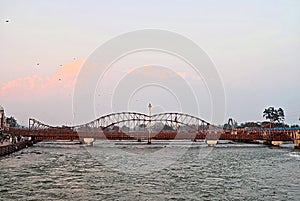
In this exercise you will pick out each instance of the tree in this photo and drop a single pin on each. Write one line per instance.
(125, 129)
(280, 114)
(11, 122)
(274, 114)
(250, 125)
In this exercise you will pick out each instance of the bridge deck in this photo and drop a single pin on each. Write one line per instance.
(239, 135)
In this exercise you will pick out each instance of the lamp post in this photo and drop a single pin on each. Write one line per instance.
(2, 118)
(149, 130)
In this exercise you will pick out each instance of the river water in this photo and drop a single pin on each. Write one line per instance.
(162, 171)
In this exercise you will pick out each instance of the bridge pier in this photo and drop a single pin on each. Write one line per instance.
(89, 141)
(211, 142)
(297, 140)
(297, 144)
(212, 137)
(276, 143)
(273, 143)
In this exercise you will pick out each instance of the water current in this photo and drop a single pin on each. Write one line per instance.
(178, 170)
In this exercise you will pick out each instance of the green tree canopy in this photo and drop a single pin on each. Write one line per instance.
(274, 114)
(12, 122)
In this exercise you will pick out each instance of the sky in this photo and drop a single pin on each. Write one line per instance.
(254, 45)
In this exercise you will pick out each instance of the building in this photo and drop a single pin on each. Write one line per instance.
(2, 118)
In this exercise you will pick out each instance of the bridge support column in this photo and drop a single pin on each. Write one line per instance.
(297, 144)
(89, 141)
(296, 140)
(276, 143)
(211, 142)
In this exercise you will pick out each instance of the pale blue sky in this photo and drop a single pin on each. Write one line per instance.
(254, 44)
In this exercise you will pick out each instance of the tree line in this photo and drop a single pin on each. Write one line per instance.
(275, 116)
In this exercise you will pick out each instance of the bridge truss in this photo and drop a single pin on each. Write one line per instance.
(132, 120)
(132, 125)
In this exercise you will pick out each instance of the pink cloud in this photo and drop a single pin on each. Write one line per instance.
(182, 74)
(39, 86)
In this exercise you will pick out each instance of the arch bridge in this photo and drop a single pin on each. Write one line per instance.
(163, 126)
(129, 125)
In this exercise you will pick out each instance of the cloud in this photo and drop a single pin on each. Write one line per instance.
(39, 86)
(158, 72)
(182, 74)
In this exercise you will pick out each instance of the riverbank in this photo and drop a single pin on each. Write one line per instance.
(6, 149)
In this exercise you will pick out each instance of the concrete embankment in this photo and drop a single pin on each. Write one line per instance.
(11, 148)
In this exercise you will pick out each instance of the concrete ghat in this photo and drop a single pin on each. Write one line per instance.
(11, 148)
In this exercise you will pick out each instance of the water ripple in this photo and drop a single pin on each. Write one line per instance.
(236, 172)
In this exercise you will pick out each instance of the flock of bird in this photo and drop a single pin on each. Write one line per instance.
(38, 64)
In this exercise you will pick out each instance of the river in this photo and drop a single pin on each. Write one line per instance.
(177, 170)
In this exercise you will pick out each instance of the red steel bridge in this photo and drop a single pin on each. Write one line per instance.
(164, 126)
